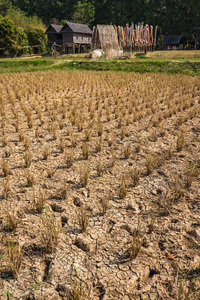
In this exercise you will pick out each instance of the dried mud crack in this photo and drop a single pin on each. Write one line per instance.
(99, 186)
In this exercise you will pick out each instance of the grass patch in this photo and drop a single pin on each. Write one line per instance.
(170, 62)
(187, 68)
(21, 65)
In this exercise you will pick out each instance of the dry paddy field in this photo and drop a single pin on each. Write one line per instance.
(99, 186)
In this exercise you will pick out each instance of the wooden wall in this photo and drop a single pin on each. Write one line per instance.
(67, 37)
(51, 38)
(82, 38)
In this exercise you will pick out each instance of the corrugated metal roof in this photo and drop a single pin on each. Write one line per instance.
(54, 28)
(75, 27)
(172, 40)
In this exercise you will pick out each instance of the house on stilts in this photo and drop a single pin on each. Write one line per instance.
(69, 38)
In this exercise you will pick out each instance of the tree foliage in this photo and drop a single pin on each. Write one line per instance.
(20, 30)
(4, 6)
(12, 38)
(33, 27)
(172, 16)
(36, 37)
(84, 13)
(21, 19)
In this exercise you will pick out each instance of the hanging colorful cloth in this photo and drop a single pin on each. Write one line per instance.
(118, 35)
(122, 35)
(136, 34)
(139, 33)
(151, 35)
(127, 34)
(134, 37)
(155, 36)
(131, 38)
(142, 33)
(145, 35)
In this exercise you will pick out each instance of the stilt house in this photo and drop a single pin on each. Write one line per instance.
(70, 38)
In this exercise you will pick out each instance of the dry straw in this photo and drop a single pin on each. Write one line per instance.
(82, 218)
(84, 174)
(15, 255)
(49, 231)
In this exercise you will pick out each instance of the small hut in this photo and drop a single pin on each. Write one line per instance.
(197, 40)
(104, 37)
(172, 42)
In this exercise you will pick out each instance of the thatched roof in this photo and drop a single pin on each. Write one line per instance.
(75, 27)
(172, 40)
(54, 28)
(104, 37)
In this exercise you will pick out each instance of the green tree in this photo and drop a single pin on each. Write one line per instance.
(172, 16)
(36, 37)
(84, 13)
(22, 37)
(47, 10)
(21, 19)
(12, 38)
(33, 27)
(4, 6)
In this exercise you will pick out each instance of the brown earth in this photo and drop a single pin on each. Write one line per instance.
(141, 204)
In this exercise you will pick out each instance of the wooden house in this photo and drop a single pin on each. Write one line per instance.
(54, 35)
(71, 37)
(197, 40)
(172, 42)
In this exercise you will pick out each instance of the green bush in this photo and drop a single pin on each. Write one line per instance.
(12, 38)
(18, 30)
(36, 37)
